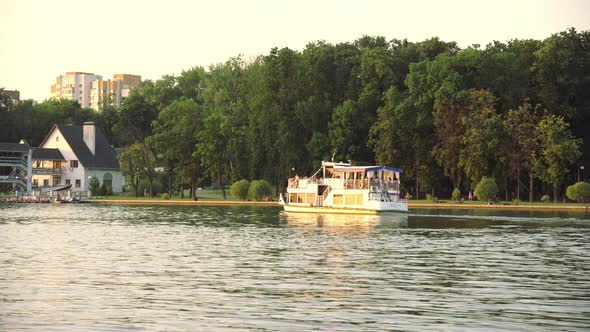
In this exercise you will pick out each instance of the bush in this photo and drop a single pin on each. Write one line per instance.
(486, 189)
(428, 197)
(259, 190)
(545, 199)
(516, 201)
(239, 189)
(456, 196)
(578, 191)
(165, 196)
(94, 186)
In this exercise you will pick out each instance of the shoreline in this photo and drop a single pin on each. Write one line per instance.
(410, 205)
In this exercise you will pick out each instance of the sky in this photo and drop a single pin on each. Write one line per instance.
(40, 40)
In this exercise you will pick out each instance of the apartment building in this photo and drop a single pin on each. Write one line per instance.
(112, 91)
(93, 92)
(74, 86)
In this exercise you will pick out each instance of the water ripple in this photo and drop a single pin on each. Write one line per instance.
(137, 268)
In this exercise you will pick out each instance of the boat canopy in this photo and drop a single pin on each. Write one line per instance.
(353, 169)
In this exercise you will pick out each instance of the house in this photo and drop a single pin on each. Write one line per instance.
(71, 155)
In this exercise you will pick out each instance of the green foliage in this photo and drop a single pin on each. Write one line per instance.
(456, 195)
(578, 191)
(240, 189)
(486, 189)
(545, 199)
(165, 196)
(474, 111)
(428, 197)
(144, 188)
(259, 190)
(94, 186)
(559, 149)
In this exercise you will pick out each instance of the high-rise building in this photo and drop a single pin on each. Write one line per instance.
(74, 86)
(111, 92)
(91, 91)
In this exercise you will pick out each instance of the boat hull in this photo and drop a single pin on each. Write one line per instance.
(339, 210)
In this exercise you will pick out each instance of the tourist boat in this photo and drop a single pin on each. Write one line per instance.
(344, 188)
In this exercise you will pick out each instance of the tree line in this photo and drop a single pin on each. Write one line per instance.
(516, 111)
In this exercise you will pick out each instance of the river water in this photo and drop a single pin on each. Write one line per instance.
(91, 267)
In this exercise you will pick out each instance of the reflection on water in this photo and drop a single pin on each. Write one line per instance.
(128, 268)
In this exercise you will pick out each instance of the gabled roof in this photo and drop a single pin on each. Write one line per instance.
(104, 157)
(47, 154)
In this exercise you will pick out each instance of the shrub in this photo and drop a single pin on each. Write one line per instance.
(94, 186)
(486, 189)
(259, 190)
(239, 189)
(456, 194)
(516, 201)
(428, 197)
(545, 198)
(165, 196)
(578, 191)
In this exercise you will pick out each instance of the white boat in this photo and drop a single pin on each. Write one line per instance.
(348, 189)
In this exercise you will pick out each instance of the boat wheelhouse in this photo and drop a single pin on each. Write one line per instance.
(343, 188)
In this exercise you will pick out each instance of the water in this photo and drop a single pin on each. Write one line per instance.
(137, 268)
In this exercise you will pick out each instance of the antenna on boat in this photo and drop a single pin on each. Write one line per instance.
(333, 155)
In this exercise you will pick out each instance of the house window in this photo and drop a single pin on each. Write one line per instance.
(77, 183)
(73, 163)
(57, 138)
(56, 180)
(45, 182)
(36, 182)
(68, 181)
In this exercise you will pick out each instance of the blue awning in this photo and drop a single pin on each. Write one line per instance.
(352, 169)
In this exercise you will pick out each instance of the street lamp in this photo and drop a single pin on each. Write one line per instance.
(581, 168)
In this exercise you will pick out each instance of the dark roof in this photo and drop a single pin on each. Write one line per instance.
(14, 147)
(104, 157)
(47, 154)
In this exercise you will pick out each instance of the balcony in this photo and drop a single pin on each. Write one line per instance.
(48, 170)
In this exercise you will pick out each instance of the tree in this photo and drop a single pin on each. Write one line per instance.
(520, 125)
(138, 161)
(175, 136)
(558, 150)
(94, 186)
(486, 189)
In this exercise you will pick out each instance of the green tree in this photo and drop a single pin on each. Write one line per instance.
(520, 125)
(486, 189)
(559, 149)
(94, 186)
(175, 137)
(138, 161)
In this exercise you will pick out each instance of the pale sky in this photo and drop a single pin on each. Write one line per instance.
(40, 40)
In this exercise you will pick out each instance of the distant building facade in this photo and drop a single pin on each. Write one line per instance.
(113, 91)
(14, 95)
(91, 91)
(74, 86)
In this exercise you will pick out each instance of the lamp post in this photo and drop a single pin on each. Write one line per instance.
(580, 168)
